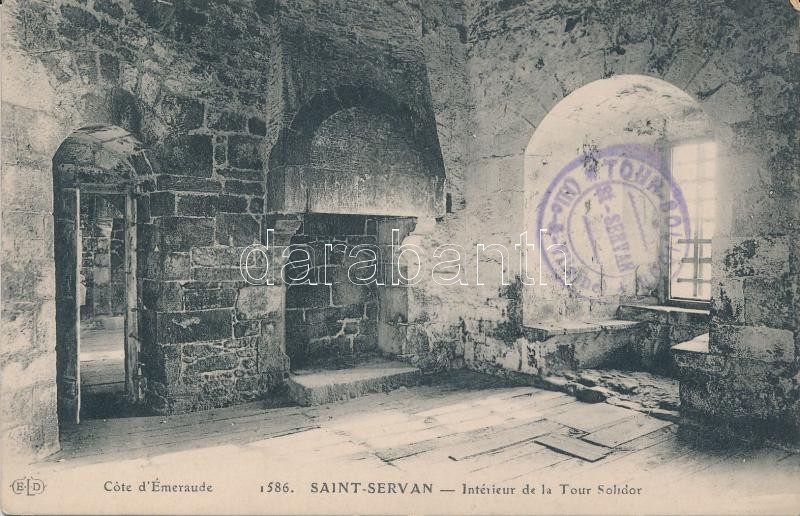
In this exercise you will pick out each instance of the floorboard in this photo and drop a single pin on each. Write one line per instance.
(463, 427)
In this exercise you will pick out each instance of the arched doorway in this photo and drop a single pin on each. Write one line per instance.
(95, 235)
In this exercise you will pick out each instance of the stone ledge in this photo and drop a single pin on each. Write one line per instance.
(544, 331)
(667, 308)
(698, 344)
(772, 345)
(663, 314)
(574, 345)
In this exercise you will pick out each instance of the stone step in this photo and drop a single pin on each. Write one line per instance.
(698, 344)
(691, 357)
(320, 386)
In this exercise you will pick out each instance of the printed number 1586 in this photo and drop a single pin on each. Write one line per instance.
(276, 487)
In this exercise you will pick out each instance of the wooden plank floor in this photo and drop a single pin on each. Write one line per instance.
(463, 426)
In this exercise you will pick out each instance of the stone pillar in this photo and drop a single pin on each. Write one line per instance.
(209, 337)
(393, 322)
(747, 381)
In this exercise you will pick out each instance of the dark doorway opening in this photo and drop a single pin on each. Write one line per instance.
(102, 303)
(98, 371)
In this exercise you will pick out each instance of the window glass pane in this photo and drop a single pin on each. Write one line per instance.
(693, 169)
(709, 150)
(682, 290)
(684, 154)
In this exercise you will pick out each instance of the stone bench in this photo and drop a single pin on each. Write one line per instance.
(664, 327)
(573, 345)
(321, 386)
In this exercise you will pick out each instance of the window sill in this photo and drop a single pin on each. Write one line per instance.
(664, 314)
(668, 309)
(688, 303)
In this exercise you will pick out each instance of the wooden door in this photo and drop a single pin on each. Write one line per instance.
(67, 250)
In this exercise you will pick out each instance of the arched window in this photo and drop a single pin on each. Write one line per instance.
(619, 193)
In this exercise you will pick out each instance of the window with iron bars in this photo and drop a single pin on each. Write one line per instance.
(693, 166)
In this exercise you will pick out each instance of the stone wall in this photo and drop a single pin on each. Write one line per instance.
(662, 328)
(213, 91)
(411, 88)
(598, 180)
(206, 89)
(103, 256)
(736, 61)
(353, 115)
(331, 324)
(165, 73)
(428, 321)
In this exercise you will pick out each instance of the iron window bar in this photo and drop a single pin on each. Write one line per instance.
(696, 260)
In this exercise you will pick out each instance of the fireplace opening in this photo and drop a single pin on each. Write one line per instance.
(333, 322)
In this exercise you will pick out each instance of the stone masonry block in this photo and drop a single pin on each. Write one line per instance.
(187, 184)
(234, 186)
(307, 296)
(241, 174)
(753, 342)
(166, 266)
(181, 113)
(767, 302)
(203, 299)
(245, 152)
(189, 155)
(727, 301)
(184, 233)
(194, 326)
(217, 362)
(345, 292)
(232, 204)
(237, 230)
(162, 296)
(258, 302)
(218, 256)
(757, 256)
(197, 205)
(225, 120)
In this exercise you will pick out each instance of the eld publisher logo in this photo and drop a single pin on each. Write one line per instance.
(28, 486)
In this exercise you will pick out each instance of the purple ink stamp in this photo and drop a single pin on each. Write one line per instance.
(618, 215)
